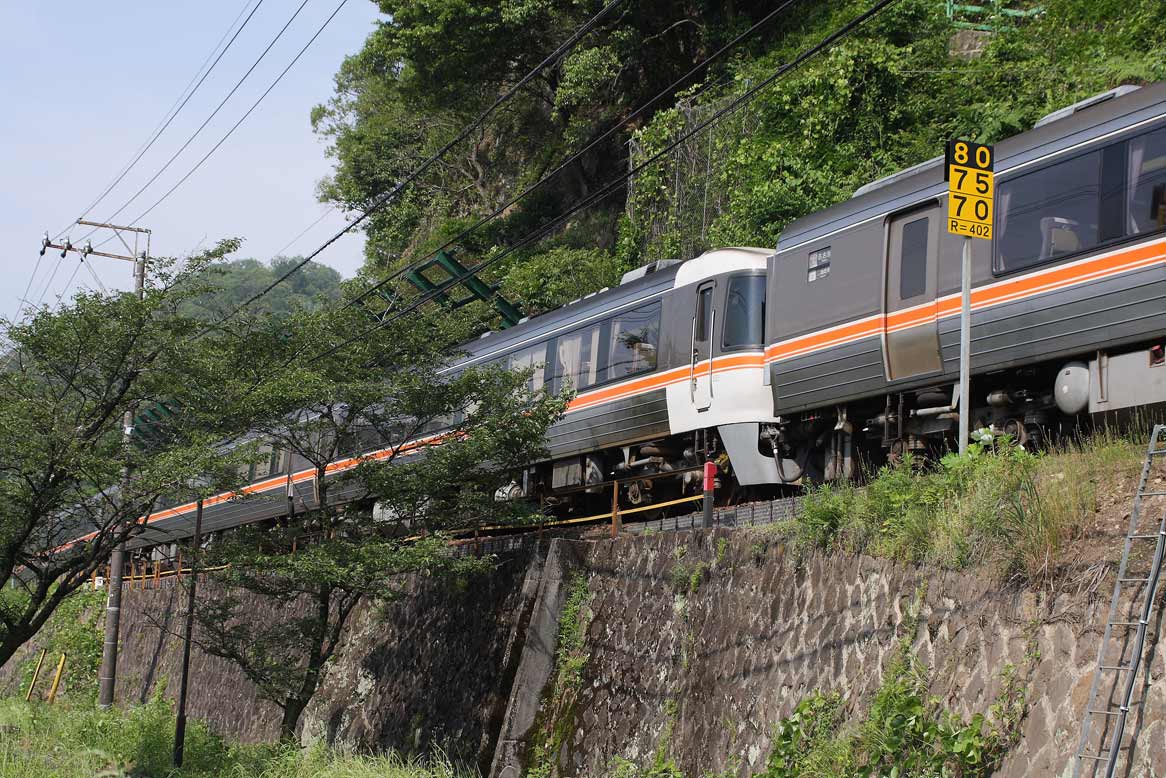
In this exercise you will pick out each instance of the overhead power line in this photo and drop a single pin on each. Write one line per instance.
(396, 190)
(212, 115)
(669, 90)
(305, 231)
(184, 97)
(621, 180)
(242, 118)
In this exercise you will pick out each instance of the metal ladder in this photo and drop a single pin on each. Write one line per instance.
(1105, 748)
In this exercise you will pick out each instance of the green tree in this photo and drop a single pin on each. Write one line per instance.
(324, 402)
(228, 285)
(70, 376)
(430, 67)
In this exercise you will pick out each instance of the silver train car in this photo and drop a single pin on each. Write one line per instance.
(795, 365)
(1068, 298)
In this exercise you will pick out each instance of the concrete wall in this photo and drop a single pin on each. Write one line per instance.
(719, 666)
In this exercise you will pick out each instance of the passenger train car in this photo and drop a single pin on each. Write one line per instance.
(792, 365)
(1068, 298)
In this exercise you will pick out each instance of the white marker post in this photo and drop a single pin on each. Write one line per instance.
(965, 346)
(971, 189)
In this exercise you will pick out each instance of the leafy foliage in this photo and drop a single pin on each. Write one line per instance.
(999, 505)
(42, 741)
(71, 377)
(878, 102)
(558, 712)
(74, 630)
(444, 443)
(904, 733)
(227, 286)
(881, 100)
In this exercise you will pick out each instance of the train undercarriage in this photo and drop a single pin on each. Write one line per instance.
(1031, 406)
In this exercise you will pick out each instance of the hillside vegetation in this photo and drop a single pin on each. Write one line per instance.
(882, 99)
(1018, 515)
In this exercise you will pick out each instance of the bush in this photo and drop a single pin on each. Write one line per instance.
(996, 505)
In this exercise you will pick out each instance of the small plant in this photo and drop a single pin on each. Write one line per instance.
(697, 576)
(662, 765)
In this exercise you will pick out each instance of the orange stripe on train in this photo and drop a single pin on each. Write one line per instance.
(1010, 290)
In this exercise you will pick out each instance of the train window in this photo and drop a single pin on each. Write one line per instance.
(578, 359)
(1146, 195)
(745, 312)
(534, 357)
(635, 337)
(278, 461)
(913, 259)
(819, 265)
(1049, 212)
(704, 313)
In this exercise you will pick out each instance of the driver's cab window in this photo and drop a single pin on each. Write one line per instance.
(744, 312)
(704, 313)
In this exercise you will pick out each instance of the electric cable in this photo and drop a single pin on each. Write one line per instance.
(391, 194)
(242, 119)
(183, 98)
(212, 115)
(305, 231)
(24, 301)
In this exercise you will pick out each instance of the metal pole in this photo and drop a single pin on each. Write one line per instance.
(710, 482)
(56, 680)
(180, 722)
(965, 347)
(35, 674)
(108, 675)
(615, 509)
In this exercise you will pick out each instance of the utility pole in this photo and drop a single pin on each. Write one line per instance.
(180, 721)
(107, 677)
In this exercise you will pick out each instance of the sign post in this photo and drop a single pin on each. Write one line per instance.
(968, 169)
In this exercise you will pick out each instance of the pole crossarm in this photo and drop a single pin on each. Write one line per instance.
(67, 247)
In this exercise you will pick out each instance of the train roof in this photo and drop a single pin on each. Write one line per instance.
(1089, 120)
(638, 286)
(574, 313)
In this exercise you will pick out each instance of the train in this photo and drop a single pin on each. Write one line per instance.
(840, 347)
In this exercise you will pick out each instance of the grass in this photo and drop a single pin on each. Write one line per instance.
(998, 505)
(42, 741)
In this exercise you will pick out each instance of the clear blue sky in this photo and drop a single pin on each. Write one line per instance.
(82, 86)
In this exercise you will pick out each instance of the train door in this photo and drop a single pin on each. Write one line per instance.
(910, 306)
(700, 368)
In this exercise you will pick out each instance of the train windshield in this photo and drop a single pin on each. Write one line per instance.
(745, 312)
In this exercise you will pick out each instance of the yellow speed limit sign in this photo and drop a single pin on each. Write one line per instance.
(971, 187)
